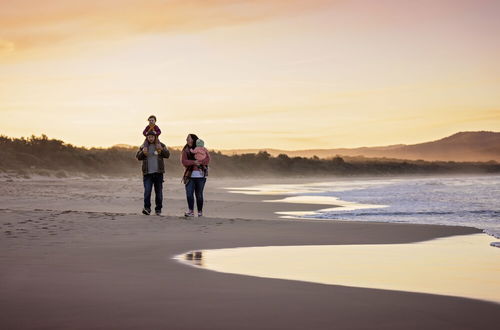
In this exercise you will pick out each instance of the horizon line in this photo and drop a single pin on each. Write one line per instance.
(247, 148)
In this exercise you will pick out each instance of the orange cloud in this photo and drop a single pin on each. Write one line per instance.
(28, 24)
(6, 46)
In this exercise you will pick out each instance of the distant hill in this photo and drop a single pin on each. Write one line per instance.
(461, 147)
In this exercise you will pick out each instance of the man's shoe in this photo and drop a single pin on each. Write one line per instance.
(146, 211)
(189, 214)
(200, 214)
(158, 212)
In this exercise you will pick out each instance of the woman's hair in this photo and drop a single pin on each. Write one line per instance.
(152, 116)
(187, 146)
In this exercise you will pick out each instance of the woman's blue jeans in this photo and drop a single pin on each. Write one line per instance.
(153, 180)
(195, 187)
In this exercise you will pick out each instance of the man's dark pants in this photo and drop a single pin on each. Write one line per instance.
(153, 180)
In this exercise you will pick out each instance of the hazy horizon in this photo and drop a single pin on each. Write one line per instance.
(261, 148)
(278, 74)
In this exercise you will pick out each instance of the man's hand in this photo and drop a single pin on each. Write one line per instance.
(196, 162)
(145, 151)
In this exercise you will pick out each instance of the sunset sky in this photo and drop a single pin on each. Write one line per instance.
(284, 74)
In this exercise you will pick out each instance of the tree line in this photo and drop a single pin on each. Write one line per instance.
(51, 157)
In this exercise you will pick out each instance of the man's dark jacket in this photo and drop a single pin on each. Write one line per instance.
(164, 153)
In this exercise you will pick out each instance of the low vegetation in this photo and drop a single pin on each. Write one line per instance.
(26, 157)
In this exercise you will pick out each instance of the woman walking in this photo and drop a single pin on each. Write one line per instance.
(195, 175)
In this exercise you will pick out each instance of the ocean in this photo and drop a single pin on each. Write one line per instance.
(472, 201)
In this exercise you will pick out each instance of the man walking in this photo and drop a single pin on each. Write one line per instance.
(152, 155)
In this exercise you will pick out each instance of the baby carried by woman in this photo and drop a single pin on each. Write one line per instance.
(201, 154)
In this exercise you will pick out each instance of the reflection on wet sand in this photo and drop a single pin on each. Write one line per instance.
(196, 257)
(464, 266)
(299, 195)
(338, 205)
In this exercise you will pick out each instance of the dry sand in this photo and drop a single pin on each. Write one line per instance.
(76, 254)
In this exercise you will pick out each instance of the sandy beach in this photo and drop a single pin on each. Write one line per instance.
(77, 254)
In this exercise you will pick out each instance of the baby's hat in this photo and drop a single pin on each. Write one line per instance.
(200, 143)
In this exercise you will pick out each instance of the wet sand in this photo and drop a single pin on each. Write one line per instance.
(461, 266)
(75, 254)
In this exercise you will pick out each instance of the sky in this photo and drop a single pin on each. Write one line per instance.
(284, 74)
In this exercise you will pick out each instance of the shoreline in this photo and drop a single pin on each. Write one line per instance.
(313, 194)
(89, 261)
